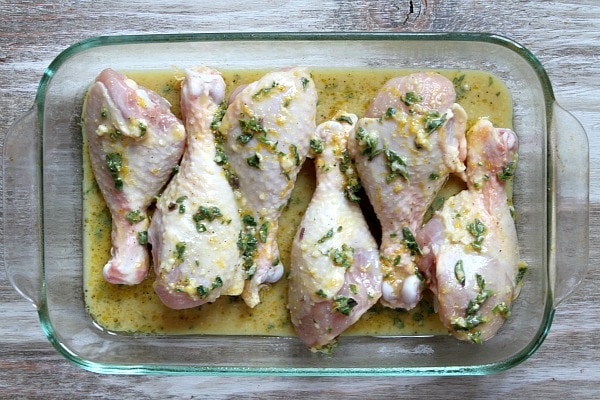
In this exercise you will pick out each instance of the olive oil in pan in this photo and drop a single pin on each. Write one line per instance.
(136, 309)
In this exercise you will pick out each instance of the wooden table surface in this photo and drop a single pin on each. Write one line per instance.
(563, 34)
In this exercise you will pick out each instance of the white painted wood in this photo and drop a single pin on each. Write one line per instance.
(563, 34)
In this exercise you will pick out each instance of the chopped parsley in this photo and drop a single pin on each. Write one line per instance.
(507, 172)
(477, 230)
(294, 151)
(369, 142)
(254, 161)
(203, 291)
(328, 235)
(501, 309)
(344, 304)
(396, 165)
(114, 163)
(433, 121)
(249, 128)
(459, 272)
(344, 118)
(179, 251)
(343, 257)
(316, 145)
(135, 216)
(304, 81)
(411, 98)
(263, 232)
(264, 91)
(410, 241)
(209, 213)
(142, 237)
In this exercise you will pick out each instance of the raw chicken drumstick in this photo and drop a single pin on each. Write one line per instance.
(196, 223)
(134, 142)
(470, 249)
(267, 130)
(335, 275)
(410, 141)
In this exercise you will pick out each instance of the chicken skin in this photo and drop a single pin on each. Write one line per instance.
(412, 138)
(335, 275)
(134, 143)
(470, 250)
(266, 130)
(195, 227)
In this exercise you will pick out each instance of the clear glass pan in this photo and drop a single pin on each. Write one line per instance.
(43, 205)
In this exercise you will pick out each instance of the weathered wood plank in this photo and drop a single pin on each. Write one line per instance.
(564, 35)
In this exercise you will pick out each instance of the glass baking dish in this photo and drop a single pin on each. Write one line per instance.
(42, 164)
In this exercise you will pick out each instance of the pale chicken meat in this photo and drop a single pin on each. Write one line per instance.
(195, 226)
(335, 275)
(470, 249)
(266, 132)
(412, 138)
(134, 144)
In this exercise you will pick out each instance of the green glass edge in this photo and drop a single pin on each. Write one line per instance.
(489, 38)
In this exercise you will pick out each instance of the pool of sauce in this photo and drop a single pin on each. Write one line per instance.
(136, 309)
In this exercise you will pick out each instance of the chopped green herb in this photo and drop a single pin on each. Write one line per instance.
(507, 172)
(264, 140)
(294, 151)
(321, 293)
(328, 235)
(390, 112)
(220, 156)
(264, 91)
(263, 232)
(175, 169)
(344, 118)
(475, 337)
(369, 141)
(249, 128)
(249, 220)
(351, 182)
(397, 260)
(203, 291)
(114, 163)
(434, 176)
(344, 304)
(316, 145)
(411, 98)
(104, 112)
(254, 161)
(179, 251)
(304, 82)
(468, 323)
(353, 288)
(410, 241)
(343, 257)
(396, 165)
(143, 129)
(218, 117)
(477, 230)
(434, 121)
(116, 134)
(501, 309)
(205, 213)
(142, 237)
(135, 216)
(459, 272)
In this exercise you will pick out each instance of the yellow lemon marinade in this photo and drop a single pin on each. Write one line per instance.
(136, 309)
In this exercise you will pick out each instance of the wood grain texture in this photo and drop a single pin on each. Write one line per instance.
(563, 34)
